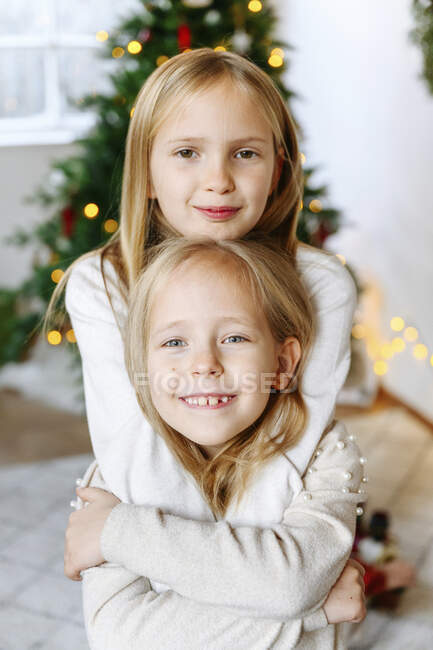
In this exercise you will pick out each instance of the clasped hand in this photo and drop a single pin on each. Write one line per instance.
(83, 534)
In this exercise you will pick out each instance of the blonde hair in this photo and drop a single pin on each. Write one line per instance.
(271, 279)
(142, 223)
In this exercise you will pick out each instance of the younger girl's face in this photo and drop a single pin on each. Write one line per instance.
(213, 165)
(212, 357)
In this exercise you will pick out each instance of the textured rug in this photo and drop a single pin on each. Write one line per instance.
(41, 610)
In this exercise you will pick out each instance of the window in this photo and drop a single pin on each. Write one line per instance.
(48, 62)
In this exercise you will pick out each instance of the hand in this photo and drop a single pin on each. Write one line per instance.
(346, 600)
(83, 534)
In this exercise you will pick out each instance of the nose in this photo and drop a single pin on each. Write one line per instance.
(218, 176)
(205, 363)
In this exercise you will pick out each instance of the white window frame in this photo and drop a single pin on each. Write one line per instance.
(49, 127)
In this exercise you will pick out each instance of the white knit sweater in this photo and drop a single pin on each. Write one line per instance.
(138, 467)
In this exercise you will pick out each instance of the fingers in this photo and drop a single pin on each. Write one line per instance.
(90, 494)
(357, 566)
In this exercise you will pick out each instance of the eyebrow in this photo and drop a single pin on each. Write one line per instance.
(251, 138)
(225, 319)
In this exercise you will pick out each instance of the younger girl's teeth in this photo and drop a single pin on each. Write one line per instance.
(213, 401)
(206, 401)
(225, 398)
(202, 401)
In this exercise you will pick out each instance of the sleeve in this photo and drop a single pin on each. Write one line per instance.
(106, 381)
(122, 611)
(284, 572)
(332, 292)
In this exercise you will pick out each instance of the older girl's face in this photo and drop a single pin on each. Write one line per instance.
(213, 165)
(212, 358)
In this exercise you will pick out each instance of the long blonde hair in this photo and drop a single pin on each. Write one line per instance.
(142, 223)
(270, 277)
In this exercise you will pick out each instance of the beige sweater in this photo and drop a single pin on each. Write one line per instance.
(230, 586)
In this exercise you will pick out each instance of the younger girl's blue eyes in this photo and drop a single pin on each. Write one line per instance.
(177, 343)
(179, 154)
(168, 343)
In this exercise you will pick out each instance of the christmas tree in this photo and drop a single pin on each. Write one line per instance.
(82, 193)
(422, 34)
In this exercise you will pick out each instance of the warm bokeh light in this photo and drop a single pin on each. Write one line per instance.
(255, 6)
(411, 334)
(161, 59)
(57, 275)
(397, 324)
(220, 48)
(301, 205)
(91, 210)
(303, 158)
(118, 52)
(373, 349)
(134, 47)
(398, 345)
(386, 351)
(315, 205)
(101, 36)
(275, 61)
(54, 337)
(431, 360)
(70, 335)
(359, 331)
(110, 225)
(341, 258)
(277, 51)
(380, 368)
(131, 113)
(420, 351)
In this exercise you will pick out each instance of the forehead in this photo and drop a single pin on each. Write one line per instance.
(223, 110)
(201, 287)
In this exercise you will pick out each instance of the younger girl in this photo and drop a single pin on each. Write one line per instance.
(213, 328)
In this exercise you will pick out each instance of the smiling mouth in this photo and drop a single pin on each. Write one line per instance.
(207, 401)
(218, 214)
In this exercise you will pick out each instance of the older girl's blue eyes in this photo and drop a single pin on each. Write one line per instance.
(179, 154)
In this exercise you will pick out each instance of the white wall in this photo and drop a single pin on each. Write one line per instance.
(368, 122)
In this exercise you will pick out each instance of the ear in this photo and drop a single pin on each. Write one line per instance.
(289, 355)
(278, 167)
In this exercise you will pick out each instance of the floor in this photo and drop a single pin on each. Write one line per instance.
(41, 610)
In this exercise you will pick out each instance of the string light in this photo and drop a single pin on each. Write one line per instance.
(118, 52)
(420, 351)
(397, 324)
(57, 275)
(398, 345)
(101, 36)
(187, 49)
(275, 61)
(91, 210)
(134, 47)
(341, 258)
(131, 113)
(387, 351)
(380, 368)
(301, 205)
(431, 360)
(411, 334)
(315, 205)
(161, 59)
(255, 6)
(359, 331)
(54, 337)
(277, 51)
(70, 335)
(220, 48)
(303, 158)
(110, 225)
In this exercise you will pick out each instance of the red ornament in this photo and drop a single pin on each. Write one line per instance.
(68, 221)
(184, 37)
(322, 233)
(145, 35)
